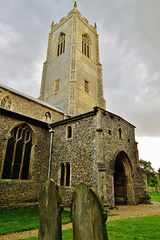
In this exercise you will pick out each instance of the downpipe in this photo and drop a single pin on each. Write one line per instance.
(51, 131)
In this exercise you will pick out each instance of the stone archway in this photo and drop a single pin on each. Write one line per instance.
(123, 187)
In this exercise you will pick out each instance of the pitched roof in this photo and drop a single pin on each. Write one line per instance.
(31, 98)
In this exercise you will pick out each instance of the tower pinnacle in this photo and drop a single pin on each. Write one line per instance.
(75, 5)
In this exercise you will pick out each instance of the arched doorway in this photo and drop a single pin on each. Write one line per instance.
(123, 187)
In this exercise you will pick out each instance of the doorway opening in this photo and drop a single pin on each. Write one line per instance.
(123, 188)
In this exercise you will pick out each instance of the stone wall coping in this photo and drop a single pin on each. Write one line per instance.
(75, 118)
(88, 114)
(32, 99)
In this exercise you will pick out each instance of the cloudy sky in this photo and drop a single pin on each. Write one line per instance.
(129, 35)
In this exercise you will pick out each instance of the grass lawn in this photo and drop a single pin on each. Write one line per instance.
(127, 229)
(155, 197)
(135, 228)
(132, 228)
(31, 238)
(11, 220)
(66, 235)
(18, 220)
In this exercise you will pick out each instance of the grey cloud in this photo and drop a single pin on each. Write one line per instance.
(129, 51)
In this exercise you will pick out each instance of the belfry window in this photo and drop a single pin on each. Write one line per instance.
(61, 44)
(18, 152)
(65, 174)
(6, 103)
(85, 45)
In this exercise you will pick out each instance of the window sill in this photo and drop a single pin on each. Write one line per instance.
(15, 180)
(66, 187)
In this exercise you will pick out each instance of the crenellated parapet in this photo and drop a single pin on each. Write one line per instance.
(70, 14)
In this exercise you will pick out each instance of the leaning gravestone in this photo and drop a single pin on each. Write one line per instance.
(88, 216)
(50, 212)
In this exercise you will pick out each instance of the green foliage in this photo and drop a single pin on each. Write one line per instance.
(152, 176)
(159, 173)
(155, 197)
(159, 182)
(24, 219)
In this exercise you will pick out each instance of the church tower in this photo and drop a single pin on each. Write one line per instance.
(72, 74)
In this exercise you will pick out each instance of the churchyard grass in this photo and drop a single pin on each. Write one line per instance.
(127, 229)
(132, 228)
(66, 217)
(155, 197)
(18, 220)
(66, 235)
(135, 228)
(31, 238)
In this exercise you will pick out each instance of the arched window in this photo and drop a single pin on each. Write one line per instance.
(17, 158)
(85, 45)
(6, 103)
(48, 117)
(61, 44)
(65, 174)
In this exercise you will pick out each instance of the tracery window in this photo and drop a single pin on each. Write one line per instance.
(18, 152)
(61, 44)
(48, 117)
(6, 103)
(85, 45)
(65, 174)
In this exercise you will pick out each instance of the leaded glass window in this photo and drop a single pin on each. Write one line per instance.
(18, 153)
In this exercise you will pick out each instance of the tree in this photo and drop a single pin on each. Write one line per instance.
(158, 172)
(152, 176)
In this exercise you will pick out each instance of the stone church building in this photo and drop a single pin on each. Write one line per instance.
(67, 134)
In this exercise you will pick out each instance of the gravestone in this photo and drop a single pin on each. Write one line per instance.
(88, 216)
(50, 212)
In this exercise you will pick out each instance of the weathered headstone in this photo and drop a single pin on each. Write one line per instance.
(50, 212)
(88, 216)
